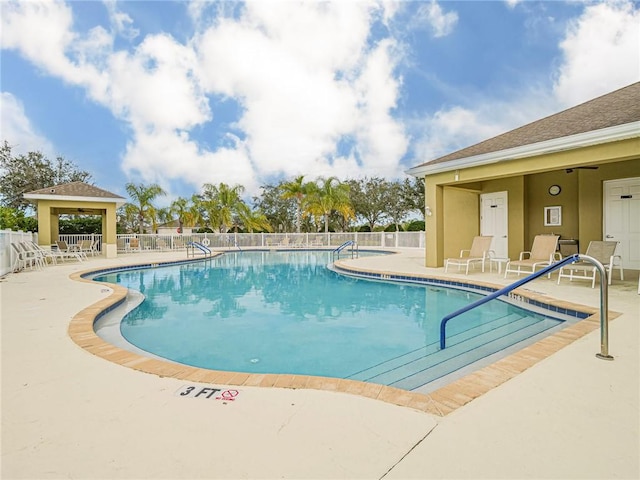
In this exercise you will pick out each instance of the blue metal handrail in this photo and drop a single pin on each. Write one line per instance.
(443, 324)
(206, 250)
(343, 246)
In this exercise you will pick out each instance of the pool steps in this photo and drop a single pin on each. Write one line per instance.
(424, 365)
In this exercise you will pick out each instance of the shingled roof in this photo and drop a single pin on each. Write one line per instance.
(75, 189)
(613, 109)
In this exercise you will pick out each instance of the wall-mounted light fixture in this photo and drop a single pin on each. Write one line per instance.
(456, 176)
(427, 211)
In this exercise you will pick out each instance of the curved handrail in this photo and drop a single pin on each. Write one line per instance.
(346, 244)
(604, 326)
(199, 246)
(343, 246)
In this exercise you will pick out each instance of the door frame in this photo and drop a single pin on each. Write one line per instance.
(605, 199)
(489, 195)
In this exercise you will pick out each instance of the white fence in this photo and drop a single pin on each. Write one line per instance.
(150, 242)
(8, 254)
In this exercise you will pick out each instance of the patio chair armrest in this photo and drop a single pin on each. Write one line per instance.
(462, 255)
(522, 254)
(612, 260)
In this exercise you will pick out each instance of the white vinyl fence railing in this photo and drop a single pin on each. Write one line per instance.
(150, 242)
(153, 242)
(8, 254)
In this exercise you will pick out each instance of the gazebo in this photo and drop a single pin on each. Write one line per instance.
(76, 198)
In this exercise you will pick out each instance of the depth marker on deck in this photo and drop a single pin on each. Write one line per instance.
(211, 393)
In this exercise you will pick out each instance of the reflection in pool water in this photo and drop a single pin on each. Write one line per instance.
(285, 312)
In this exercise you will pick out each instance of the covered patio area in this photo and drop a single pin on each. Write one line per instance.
(76, 198)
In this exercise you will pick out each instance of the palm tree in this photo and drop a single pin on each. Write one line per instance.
(256, 220)
(328, 195)
(143, 197)
(224, 205)
(297, 190)
(180, 207)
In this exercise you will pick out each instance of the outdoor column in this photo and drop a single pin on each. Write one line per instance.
(434, 225)
(109, 243)
(44, 225)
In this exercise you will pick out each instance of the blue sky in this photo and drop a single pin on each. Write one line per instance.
(183, 93)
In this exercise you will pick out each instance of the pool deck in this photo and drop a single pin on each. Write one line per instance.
(69, 413)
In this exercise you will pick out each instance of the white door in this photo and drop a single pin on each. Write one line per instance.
(494, 218)
(622, 218)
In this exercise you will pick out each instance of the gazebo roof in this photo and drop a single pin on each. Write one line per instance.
(75, 191)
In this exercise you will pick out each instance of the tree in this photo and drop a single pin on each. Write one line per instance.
(398, 207)
(224, 206)
(185, 212)
(14, 219)
(297, 190)
(276, 209)
(413, 192)
(370, 199)
(143, 197)
(255, 220)
(33, 171)
(328, 195)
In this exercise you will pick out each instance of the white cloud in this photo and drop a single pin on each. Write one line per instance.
(439, 22)
(304, 74)
(121, 22)
(155, 88)
(512, 3)
(457, 127)
(166, 154)
(601, 52)
(17, 129)
(306, 78)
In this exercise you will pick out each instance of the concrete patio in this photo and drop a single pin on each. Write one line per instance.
(69, 414)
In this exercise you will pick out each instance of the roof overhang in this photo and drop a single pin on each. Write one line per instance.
(69, 198)
(594, 137)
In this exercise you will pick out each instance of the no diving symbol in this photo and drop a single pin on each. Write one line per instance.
(228, 395)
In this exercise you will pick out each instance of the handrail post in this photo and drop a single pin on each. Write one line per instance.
(604, 308)
(604, 296)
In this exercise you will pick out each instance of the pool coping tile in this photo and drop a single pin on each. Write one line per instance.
(440, 402)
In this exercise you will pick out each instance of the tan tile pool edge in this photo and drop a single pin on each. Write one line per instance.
(440, 402)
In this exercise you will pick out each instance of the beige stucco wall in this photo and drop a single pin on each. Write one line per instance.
(455, 211)
(49, 210)
(590, 197)
(461, 220)
(538, 197)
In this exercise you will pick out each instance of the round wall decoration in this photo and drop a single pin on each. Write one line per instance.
(554, 190)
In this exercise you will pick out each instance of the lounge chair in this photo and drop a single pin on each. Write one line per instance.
(51, 255)
(133, 244)
(478, 253)
(284, 242)
(299, 243)
(542, 254)
(71, 250)
(604, 252)
(23, 258)
(85, 247)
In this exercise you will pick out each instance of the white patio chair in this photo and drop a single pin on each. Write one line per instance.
(478, 253)
(604, 252)
(542, 254)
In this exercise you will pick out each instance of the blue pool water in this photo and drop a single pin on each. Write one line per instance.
(285, 312)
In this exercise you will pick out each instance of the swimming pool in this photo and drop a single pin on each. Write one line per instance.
(285, 312)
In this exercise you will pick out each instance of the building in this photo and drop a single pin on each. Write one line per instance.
(76, 198)
(575, 173)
